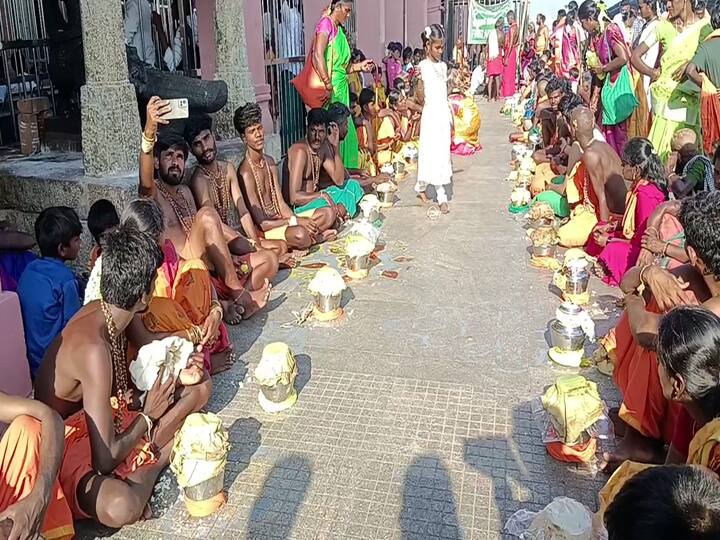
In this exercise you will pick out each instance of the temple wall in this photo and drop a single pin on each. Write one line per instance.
(30, 184)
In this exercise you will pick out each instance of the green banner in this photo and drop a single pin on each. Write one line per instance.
(482, 19)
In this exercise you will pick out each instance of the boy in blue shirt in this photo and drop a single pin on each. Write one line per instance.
(48, 289)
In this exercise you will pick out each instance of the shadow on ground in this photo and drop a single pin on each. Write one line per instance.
(428, 503)
(275, 511)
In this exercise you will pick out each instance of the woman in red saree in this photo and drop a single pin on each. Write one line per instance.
(495, 62)
(646, 416)
(510, 57)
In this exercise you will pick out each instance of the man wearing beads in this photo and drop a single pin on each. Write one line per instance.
(313, 156)
(116, 441)
(242, 271)
(261, 188)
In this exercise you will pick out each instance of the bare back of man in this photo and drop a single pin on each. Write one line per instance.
(604, 171)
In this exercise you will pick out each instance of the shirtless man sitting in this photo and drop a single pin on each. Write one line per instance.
(260, 185)
(115, 446)
(214, 184)
(244, 271)
(600, 185)
(315, 154)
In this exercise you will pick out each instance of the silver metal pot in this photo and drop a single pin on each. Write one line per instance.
(207, 489)
(577, 279)
(327, 304)
(386, 197)
(398, 168)
(566, 338)
(279, 392)
(547, 250)
(356, 264)
(373, 216)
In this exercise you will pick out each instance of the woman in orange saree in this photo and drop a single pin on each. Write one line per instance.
(184, 302)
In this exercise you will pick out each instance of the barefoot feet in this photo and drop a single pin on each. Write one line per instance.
(254, 301)
(232, 312)
(423, 197)
(221, 361)
(634, 447)
(444, 208)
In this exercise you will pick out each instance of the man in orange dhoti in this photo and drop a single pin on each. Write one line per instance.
(31, 500)
(646, 417)
(116, 444)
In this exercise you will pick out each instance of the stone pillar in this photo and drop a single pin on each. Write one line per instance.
(110, 120)
(232, 62)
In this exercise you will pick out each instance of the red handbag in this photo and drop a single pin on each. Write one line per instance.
(310, 86)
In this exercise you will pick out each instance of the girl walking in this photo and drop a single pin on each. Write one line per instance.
(434, 166)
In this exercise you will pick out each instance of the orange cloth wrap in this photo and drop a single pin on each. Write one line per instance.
(19, 469)
(644, 407)
(77, 460)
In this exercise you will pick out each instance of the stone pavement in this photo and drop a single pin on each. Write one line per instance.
(413, 419)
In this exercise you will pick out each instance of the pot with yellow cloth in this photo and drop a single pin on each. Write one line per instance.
(198, 459)
(276, 374)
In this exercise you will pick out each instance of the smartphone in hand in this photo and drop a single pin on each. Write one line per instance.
(179, 109)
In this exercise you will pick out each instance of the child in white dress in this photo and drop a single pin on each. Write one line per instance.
(434, 166)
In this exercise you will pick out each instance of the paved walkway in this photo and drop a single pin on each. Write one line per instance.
(413, 419)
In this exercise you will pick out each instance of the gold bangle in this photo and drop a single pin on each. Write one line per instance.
(147, 144)
(217, 306)
(149, 423)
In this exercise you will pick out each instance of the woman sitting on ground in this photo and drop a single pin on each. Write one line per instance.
(184, 302)
(390, 135)
(617, 246)
(689, 371)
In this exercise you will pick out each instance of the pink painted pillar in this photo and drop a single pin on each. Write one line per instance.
(370, 19)
(394, 21)
(416, 19)
(312, 11)
(206, 39)
(255, 48)
(435, 13)
(255, 41)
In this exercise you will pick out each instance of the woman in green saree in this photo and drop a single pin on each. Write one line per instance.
(331, 60)
(675, 104)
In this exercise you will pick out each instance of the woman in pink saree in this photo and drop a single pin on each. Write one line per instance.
(567, 38)
(619, 247)
(510, 58)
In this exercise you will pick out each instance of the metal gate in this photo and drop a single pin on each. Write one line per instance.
(283, 23)
(174, 30)
(23, 59)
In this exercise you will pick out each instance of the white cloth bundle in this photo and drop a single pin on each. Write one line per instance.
(172, 352)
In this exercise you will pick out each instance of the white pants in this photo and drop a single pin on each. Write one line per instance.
(420, 187)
